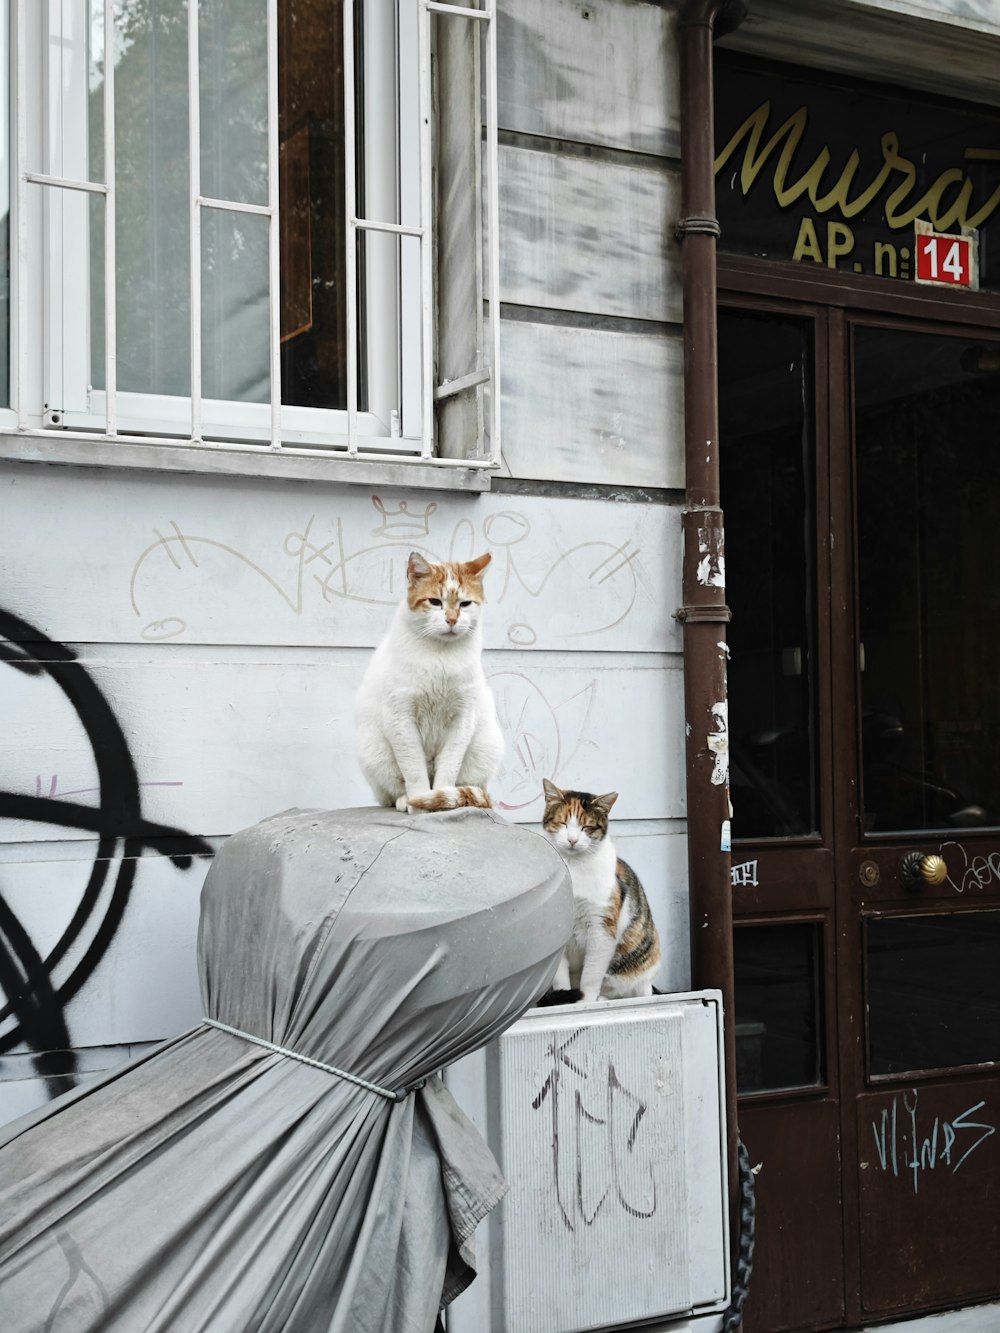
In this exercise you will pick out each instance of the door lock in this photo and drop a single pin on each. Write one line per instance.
(916, 871)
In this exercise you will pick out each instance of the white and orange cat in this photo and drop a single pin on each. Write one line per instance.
(427, 730)
(614, 950)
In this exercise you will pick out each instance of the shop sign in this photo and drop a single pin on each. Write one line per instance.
(856, 177)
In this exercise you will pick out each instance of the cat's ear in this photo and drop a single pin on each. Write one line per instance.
(606, 801)
(416, 567)
(552, 792)
(478, 565)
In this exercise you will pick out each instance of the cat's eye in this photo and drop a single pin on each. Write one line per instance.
(465, 603)
(433, 601)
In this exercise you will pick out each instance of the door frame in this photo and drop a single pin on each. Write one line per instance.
(835, 300)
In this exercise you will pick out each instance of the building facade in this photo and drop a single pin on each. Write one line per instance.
(449, 237)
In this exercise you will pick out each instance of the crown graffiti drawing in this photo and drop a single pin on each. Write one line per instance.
(399, 522)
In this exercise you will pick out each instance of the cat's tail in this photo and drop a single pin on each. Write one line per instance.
(450, 798)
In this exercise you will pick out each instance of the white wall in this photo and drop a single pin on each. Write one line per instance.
(226, 625)
(216, 629)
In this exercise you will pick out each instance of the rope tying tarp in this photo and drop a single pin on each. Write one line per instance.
(397, 1095)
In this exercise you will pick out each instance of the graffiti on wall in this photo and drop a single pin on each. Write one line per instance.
(599, 578)
(189, 571)
(35, 985)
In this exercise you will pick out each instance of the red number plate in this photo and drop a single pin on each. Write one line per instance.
(942, 258)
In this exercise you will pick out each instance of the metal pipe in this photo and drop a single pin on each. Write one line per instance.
(704, 614)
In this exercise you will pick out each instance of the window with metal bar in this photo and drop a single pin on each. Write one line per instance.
(225, 221)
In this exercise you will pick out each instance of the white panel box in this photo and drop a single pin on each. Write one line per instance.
(608, 1121)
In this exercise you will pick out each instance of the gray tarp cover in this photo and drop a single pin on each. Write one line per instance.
(214, 1185)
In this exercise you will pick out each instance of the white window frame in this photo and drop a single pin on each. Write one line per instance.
(53, 404)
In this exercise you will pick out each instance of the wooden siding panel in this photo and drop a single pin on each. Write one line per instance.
(200, 561)
(585, 234)
(596, 73)
(593, 405)
(222, 740)
(145, 987)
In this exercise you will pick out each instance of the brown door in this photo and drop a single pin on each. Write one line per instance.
(860, 441)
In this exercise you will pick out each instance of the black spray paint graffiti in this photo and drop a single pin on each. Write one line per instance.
(34, 1001)
(586, 1180)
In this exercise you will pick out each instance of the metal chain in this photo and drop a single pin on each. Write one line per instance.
(733, 1318)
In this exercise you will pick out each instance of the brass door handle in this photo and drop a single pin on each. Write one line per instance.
(916, 871)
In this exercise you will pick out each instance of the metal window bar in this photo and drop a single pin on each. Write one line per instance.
(110, 261)
(430, 393)
(194, 213)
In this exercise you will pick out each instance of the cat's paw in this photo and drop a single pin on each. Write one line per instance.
(418, 802)
(448, 798)
(402, 803)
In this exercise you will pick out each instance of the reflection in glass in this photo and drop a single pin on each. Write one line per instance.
(235, 307)
(232, 78)
(766, 436)
(927, 425)
(933, 991)
(778, 1007)
(152, 225)
(313, 247)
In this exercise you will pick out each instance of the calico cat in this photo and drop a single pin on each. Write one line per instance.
(614, 950)
(427, 730)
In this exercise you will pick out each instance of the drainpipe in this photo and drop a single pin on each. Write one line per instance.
(705, 614)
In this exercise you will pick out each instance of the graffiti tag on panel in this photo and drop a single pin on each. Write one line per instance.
(597, 1157)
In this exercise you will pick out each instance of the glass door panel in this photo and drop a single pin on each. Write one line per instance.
(767, 443)
(778, 972)
(927, 413)
(926, 419)
(933, 989)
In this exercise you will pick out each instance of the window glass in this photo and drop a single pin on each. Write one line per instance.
(927, 421)
(4, 211)
(152, 204)
(778, 972)
(933, 991)
(235, 307)
(766, 437)
(152, 233)
(232, 77)
(313, 247)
